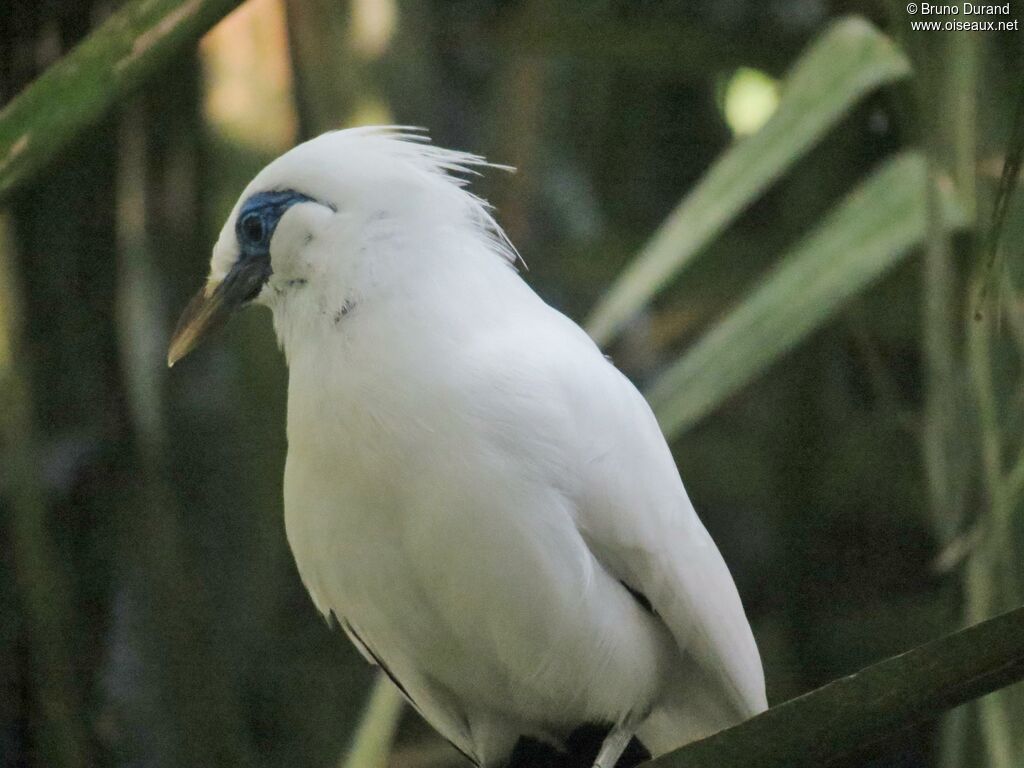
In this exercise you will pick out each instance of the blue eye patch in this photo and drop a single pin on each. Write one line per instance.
(259, 217)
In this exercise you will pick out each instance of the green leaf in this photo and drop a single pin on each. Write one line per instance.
(866, 234)
(851, 59)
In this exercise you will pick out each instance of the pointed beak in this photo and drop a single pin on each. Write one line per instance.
(215, 303)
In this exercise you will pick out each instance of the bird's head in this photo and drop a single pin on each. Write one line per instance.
(307, 229)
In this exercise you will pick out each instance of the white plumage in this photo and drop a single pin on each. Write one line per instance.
(470, 483)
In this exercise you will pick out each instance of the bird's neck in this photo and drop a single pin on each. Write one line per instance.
(368, 351)
(423, 281)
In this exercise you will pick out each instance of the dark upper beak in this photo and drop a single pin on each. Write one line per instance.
(215, 303)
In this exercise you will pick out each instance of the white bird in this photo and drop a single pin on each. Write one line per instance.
(482, 500)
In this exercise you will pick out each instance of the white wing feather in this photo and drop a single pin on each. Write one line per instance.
(638, 520)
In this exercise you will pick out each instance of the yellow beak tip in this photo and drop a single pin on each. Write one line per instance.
(180, 346)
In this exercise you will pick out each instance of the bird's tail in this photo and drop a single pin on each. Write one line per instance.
(693, 707)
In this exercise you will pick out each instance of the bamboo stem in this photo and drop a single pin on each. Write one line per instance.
(126, 51)
(371, 744)
(40, 575)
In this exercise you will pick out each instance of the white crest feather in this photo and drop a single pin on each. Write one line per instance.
(413, 145)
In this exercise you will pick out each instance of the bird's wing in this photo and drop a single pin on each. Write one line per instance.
(635, 515)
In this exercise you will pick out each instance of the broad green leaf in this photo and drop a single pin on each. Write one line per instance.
(866, 234)
(849, 60)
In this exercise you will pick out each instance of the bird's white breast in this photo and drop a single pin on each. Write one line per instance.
(427, 502)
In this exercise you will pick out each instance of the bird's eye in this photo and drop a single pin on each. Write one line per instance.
(252, 228)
